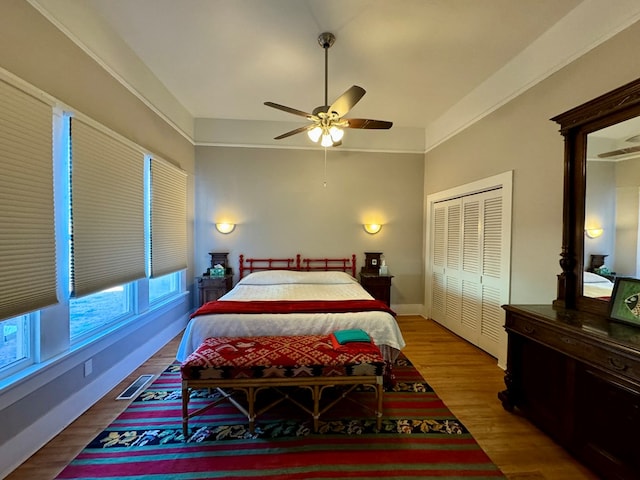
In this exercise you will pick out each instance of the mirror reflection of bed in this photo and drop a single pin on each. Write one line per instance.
(612, 208)
(596, 286)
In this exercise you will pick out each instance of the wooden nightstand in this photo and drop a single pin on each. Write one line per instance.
(212, 288)
(379, 286)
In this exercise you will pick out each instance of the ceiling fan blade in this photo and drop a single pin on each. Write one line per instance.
(293, 132)
(289, 110)
(347, 100)
(622, 151)
(368, 124)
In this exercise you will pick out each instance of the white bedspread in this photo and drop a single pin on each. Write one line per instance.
(381, 326)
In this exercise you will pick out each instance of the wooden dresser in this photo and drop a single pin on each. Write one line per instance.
(577, 377)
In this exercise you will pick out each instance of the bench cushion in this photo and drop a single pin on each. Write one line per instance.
(281, 357)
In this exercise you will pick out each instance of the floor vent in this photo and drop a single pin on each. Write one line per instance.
(135, 388)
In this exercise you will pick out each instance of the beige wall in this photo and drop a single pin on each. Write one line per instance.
(36, 51)
(601, 212)
(520, 137)
(277, 198)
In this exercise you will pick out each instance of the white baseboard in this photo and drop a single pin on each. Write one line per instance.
(408, 309)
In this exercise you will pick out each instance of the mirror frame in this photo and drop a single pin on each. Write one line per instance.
(613, 107)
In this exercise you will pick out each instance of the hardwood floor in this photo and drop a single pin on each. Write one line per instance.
(466, 378)
(468, 381)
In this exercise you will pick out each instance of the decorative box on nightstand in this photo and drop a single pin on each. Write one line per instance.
(379, 286)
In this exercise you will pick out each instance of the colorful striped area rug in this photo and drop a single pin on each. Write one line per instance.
(420, 439)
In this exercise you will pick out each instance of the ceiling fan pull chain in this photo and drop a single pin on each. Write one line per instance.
(325, 168)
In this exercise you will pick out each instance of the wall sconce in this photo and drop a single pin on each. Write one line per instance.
(594, 232)
(225, 227)
(372, 228)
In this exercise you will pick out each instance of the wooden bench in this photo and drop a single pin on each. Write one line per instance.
(251, 364)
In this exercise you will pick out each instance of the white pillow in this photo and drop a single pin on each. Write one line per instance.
(278, 277)
(325, 277)
(590, 277)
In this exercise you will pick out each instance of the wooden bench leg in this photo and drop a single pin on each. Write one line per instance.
(380, 393)
(316, 407)
(251, 398)
(185, 410)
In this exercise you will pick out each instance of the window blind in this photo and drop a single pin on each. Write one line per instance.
(27, 230)
(107, 210)
(168, 218)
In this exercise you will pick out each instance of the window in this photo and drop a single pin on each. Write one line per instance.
(27, 235)
(93, 208)
(99, 310)
(162, 287)
(107, 239)
(15, 344)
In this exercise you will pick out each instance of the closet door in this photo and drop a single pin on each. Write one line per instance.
(469, 278)
(445, 265)
(495, 277)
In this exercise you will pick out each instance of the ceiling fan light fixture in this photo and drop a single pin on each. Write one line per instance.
(326, 140)
(314, 134)
(336, 133)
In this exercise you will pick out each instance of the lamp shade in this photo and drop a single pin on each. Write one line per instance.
(594, 232)
(372, 228)
(225, 227)
(314, 134)
(336, 133)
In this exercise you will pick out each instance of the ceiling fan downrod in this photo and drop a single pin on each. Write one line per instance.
(326, 40)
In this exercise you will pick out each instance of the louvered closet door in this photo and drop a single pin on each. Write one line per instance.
(491, 332)
(445, 278)
(468, 274)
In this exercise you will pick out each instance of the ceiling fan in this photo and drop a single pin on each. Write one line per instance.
(624, 150)
(327, 121)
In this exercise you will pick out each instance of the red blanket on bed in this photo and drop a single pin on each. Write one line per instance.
(292, 306)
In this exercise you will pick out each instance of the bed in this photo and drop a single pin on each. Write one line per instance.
(596, 286)
(294, 296)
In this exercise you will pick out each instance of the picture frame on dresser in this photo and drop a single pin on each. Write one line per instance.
(624, 305)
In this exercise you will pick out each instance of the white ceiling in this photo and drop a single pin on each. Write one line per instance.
(417, 59)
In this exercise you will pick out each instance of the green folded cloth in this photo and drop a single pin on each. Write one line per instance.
(353, 335)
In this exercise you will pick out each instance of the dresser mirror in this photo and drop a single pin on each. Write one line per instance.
(612, 202)
(601, 197)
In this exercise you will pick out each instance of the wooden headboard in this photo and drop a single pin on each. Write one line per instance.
(325, 264)
(249, 265)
